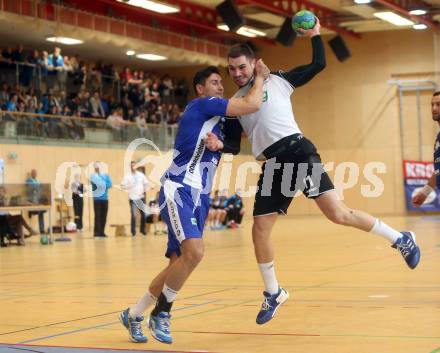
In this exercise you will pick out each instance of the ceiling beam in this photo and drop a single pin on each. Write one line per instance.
(193, 19)
(401, 7)
(327, 17)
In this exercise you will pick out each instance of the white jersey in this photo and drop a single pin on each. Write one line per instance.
(136, 184)
(274, 120)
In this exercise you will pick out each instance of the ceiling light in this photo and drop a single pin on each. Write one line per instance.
(362, 1)
(244, 31)
(393, 18)
(64, 40)
(151, 57)
(420, 26)
(252, 31)
(130, 52)
(418, 12)
(152, 6)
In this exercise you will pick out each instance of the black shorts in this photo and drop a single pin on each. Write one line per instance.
(295, 167)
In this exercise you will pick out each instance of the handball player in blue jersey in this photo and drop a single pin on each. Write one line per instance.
(184, 196)
(434, 181)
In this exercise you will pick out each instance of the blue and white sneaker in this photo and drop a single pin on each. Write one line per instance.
(160, 327)
(133, 326)
(408, 248)
(270, 305)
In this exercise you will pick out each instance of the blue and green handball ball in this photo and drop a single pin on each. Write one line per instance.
(303, 19)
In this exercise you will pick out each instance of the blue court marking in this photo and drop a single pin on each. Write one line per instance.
(12, 348)
(107, 324)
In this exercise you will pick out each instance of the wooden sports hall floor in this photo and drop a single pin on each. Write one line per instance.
(350, 293)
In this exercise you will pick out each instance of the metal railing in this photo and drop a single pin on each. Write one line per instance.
(31, 75)
(43, 129)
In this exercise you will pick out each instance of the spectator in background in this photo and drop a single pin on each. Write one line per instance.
(62, 99)
(4, 95)
(117, 123)
(112, 104)
(217, 212)
(174, 115)
(141, 123)
(126, 105)
(101, 183)
(11, 105)
(18, 54)
(78, 200)
(35, 197)
(18, 57)
(95, 77)
(55, 65)
(166, 90)
(7, 57)
(43, 64)
(78, 124)
(14, 225)
(234, 209)
(131, 116)
(154, 217)
(30, 95)
(40, 125)
(181, 93)
(136, 184)
(154, 92)
(29, 70)
(97, 110)
(136, 97)
(126, 74)
(85, 106)
(67, 124)
(30, 106)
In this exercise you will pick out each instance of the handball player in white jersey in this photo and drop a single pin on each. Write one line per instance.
(277, 139)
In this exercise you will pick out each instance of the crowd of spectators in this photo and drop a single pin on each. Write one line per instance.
(54, 84)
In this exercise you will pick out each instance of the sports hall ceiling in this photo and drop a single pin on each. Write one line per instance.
(337, 16)
(344, 17)
(344, 14)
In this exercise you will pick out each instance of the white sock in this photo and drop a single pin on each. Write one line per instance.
(385, 231)
(169, 293)
(143, 304)
(270, 280)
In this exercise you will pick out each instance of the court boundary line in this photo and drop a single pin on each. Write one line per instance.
(103, 348)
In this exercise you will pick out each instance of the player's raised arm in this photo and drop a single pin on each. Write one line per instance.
(302, 74)
(252, 101)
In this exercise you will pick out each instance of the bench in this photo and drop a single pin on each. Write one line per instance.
(119, 230)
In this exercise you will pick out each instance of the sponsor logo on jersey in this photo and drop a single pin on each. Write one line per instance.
(197, 157)
(173, 214)
(265, 96)
(194, 221)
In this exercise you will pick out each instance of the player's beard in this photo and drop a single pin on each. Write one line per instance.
(436, 117)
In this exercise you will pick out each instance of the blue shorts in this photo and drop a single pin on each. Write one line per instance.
(183, 214)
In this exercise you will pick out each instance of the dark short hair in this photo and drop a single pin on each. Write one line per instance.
(238, 50)
(201, 76)
(436, 94)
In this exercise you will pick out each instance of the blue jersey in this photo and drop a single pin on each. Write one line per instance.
(437, 160)
(193, 164)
